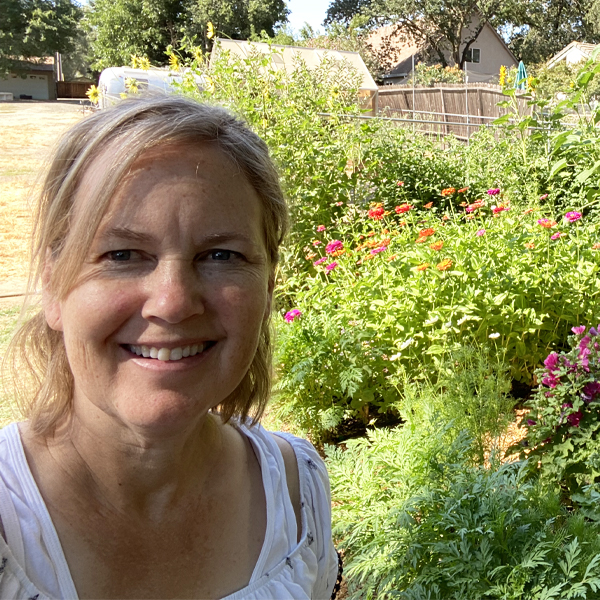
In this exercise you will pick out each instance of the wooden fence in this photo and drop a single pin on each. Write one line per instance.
(457, 110)
(71, 89)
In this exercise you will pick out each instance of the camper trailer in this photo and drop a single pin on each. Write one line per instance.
(114, 82)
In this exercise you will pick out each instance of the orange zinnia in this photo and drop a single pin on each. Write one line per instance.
(448, 191)
(596, 246)
(437, 246)
(444, 265)
(428, 205)
(422, 267)
(426, 232)
(463, 190)
(421, 240)
(530, 245)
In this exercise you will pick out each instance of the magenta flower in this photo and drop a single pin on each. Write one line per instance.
(574, 418)
(378, 250)
(551, 381)
(556, 236)
(573, 216)
(543, 196)
(480, 232)
(493, 191)
(578, 330)
(333, 246)
(591, 390)
(531, 422)
(551, 361)
(320, 261)
(331, 266)
(321, 228)
(292, 315)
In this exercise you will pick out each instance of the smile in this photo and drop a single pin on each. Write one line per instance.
(169, 353)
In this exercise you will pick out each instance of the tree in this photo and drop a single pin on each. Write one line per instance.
(342, 11)
(237, 19)
(35, 28)
(538, 29)
(446, 29)
(122, 28)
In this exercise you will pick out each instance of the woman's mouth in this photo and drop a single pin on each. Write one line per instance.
(166, 354)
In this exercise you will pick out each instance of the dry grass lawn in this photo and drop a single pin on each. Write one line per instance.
(28, 133)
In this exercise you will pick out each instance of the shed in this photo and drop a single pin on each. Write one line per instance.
(312, 57)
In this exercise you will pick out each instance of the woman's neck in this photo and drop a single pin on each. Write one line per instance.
(129, 469)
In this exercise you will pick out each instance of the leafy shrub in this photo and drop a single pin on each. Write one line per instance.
(564, 422)
(417, 520)
(399, 289)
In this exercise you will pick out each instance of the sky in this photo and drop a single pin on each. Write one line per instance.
(312, 11)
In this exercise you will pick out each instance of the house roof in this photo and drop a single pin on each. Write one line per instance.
(284, 59)
(585, 49)
(400, 52)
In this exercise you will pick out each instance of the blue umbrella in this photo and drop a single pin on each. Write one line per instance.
(521, 79)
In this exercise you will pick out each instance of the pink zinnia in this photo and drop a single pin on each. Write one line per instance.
(556, 236)
(331, 266)
(333, 246)
(320, 261)
(321, 228)
(543, 196)
(480, 233)
(291, 315)
(493, 191)
(378, 250)
(573, 216)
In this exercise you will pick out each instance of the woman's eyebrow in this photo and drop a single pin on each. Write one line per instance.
(125, 233)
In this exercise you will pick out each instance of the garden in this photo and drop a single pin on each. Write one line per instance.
(429, 292)
(433, 295)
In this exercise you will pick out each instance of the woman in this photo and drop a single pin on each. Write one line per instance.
(138, 473)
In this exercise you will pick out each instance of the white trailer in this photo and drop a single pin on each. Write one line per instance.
(114, 82)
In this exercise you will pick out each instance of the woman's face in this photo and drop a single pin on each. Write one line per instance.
(165, 319)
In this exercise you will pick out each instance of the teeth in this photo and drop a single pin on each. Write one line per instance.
(165, 354)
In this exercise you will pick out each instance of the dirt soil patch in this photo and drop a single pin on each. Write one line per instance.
(29, 132)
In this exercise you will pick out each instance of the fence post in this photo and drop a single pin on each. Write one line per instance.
(444, 110)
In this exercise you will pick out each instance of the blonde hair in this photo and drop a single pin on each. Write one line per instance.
(130, 128)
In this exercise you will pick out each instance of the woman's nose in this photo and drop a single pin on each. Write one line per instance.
(173, 292)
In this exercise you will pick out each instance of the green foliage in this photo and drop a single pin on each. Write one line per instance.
(426, 74)
(35, 28)
(469, 389)
(405, 287)
(122, 28)
(417, 520)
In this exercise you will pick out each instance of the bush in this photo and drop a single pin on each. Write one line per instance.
(385, 292)
(564, 422)
(417, 520)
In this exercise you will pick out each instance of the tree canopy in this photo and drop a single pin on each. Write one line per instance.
(121, 28)
(35, 28)
(534, 29)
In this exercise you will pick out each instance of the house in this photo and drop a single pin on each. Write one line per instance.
(35, 81)
(573, 53)
(487, 54)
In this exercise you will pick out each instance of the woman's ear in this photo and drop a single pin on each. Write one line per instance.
(50, 303)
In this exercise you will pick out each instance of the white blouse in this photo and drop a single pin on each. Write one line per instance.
(33, 565)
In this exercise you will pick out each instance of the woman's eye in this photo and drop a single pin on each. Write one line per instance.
(119, 255)
(221, 254)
